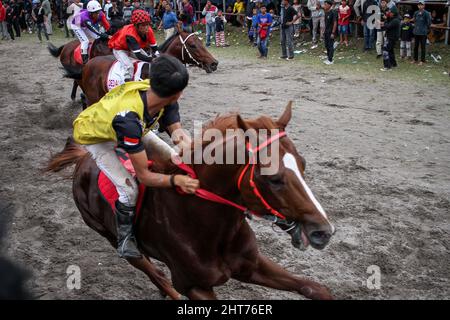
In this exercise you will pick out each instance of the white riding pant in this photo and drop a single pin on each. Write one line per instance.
(125, 62)
(105, 157)
(83, 34)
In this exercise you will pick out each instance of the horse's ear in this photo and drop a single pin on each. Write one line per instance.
(241, 123)
(283, 121)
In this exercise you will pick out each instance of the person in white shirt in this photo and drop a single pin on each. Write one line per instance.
(74, 8)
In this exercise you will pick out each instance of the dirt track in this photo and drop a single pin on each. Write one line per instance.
(378, 163)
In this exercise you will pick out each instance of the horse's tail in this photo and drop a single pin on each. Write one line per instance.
(54, 51)
(71, 154)
(72, 73)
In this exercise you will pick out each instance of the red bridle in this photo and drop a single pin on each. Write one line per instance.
(207, 195)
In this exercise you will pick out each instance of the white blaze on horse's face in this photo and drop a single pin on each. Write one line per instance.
(291, 164)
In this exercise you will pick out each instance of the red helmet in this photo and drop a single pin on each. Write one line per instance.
(140, 16)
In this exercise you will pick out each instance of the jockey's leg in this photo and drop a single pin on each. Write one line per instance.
(127, 188)
(125, 63)
(84, 40)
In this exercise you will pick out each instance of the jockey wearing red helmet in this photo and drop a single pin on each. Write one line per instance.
(135, 38)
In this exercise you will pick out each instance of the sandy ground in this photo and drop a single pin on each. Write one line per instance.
(378, 160)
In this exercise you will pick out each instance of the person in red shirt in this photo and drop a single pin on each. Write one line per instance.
(3, 27)
(134, 38)
(344, 12)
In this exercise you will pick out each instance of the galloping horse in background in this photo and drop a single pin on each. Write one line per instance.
(66, 54)
(205, 243)
(188, 48)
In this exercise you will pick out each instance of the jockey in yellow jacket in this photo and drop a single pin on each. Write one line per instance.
(123, 118)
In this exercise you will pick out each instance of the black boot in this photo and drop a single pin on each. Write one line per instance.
(85, 58)
(126, 243)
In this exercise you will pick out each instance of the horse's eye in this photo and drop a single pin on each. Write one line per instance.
(276, 180)
(193, 46)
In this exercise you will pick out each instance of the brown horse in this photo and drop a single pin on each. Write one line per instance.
(188, 48)
(67, 58)
(204, 243)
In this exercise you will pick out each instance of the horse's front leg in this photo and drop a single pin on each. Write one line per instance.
(156, 276)
(269, 274)
(197, 293)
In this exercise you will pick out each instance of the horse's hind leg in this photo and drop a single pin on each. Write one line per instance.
(74, 90)
(269, 274)
(197, 293)
(156, 276)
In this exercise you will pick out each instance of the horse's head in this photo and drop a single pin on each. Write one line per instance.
(189, 49)
(284, 190)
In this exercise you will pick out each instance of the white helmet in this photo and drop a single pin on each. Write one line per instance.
(93, 6)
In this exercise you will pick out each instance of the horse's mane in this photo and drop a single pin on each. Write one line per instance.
(169, 40)
(229, 121)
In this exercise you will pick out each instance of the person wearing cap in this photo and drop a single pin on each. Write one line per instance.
(134, 38)
(406, 35)
(84, 25)
(391, 27)
(422, 23)
(330, 30)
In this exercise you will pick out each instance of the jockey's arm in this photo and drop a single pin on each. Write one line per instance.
(91, 27)
(159, 180)
(134, 47)
(105, 22)
(129, 137)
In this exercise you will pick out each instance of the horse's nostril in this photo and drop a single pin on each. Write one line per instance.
(320, 236)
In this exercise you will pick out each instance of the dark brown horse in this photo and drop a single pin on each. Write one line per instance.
(67, 58)
(204, 243)
(188, 48)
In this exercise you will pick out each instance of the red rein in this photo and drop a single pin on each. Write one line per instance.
(207, 195)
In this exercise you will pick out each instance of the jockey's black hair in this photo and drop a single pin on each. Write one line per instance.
(168, 76)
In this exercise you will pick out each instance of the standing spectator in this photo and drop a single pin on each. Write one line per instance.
(368, 9)
(287, 30)
(64, 16)
(168, 22)
(21, 11)
(252, 32)
(187, 16)
(72, 10)
(422, 23)
(297, 24)
(239, 8)
(391, 26)
(318, 17)
(127, 12)
(136, 5)
(379, 29)
(263, 21)
(115, 15)
(220, 29)
(344, 13)
(9, 15)
(210, 12)
(3, 24)
(330, 30)
(406, 36)
(106, 7)
(12, 18)
(47, 16)
(38, 18)
(249, 15)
